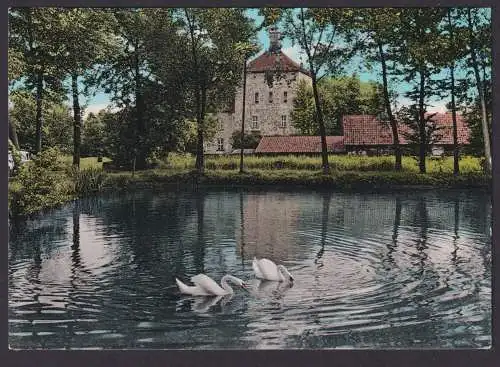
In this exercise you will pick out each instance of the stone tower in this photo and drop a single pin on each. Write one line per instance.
(268, 106)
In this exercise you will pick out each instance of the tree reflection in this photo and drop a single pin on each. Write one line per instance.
(423, 219)
(199, 246)
(75, 247)
(392, 246)
(242, 231)
(455, 231)
(324, 227)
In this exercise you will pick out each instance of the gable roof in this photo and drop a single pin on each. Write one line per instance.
(369, 130)
(272, 60)
(298, 144)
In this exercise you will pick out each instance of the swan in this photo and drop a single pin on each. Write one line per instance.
(206, 286)
(268, 270)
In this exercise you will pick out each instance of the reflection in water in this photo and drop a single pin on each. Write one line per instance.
(423, 220)
(242, 231)
(203, 304)
(455, 231)
(393, 245)
(371, 271)
(324, 227)
(199, 255)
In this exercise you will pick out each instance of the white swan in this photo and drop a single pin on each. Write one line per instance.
(268, 270)
(206, 286)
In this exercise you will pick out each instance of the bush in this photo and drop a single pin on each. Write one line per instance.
(41, 183)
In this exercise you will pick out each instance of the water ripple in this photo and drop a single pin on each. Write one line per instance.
(371, 272)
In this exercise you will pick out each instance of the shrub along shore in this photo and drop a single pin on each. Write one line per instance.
(49, 181)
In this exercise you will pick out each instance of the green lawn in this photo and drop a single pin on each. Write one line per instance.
(468, 164)
(87, 162)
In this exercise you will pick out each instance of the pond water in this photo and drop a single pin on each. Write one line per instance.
(399, 270)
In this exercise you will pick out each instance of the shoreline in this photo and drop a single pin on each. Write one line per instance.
(278, 180)
(290, 179)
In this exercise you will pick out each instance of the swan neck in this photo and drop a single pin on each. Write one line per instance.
(280, 272)
(225, 285)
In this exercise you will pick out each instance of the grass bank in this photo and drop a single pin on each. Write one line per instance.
(340, 180)
(49, 180)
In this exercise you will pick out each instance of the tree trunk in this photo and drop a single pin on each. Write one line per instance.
(456, 167)
(243, 112)
(77, 121)
(199, 91)
(140, 155)
(200, 164)
(392, 120)
(479, 83)
(421, 123)
(322, 130)
(39, 117)
(13, 135)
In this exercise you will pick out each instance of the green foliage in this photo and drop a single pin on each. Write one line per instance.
(16, 156)
(88, 181)
(57, 122)
(16, 65)
(41, 183)
(347, 180)
(245, 141)
(93, 137)
(339, 96)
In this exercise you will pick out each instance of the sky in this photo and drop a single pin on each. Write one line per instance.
(101, 100)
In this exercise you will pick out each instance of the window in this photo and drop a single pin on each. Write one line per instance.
(270, 97)
(220, 144)
(255, 123)
(285, 96)
(283, 121)
(256, 97)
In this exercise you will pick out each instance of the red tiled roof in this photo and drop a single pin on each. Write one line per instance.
(271, 60)
(445, 121)
(298, 144)
(369, 130)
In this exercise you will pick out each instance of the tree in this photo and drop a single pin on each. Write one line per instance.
(30, 35)
(453, 51)
(247, 50)
(318, 32)
(84, 38)
(56, 129)
(304, 111)
(379, 26)
(419, 57)
(339, 96)
(214, 60)
(93, 135)
(410, 116)
(244, 141)
(16, 68)
(125, 75)
(473, 23)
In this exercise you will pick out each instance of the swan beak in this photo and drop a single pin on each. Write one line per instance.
(291, 279)
(244, 285)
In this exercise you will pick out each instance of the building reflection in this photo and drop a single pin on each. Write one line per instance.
(267, 222)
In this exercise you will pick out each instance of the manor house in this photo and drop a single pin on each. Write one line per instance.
(268, 104)
(271, 86)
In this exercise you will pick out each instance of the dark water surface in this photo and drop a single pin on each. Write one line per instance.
(403, 270)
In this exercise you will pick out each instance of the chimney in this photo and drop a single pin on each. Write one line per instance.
(274, 37)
